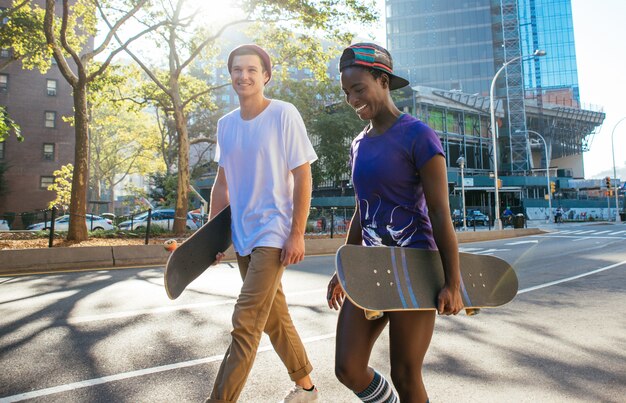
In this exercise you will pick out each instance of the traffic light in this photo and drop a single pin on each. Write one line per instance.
(552, 187)
(607, 182)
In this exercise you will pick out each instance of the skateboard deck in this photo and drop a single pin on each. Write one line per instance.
(197, 253)
(379, 278)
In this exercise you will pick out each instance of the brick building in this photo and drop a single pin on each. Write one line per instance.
(37, 103)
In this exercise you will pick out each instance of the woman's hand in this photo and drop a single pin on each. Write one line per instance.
(449, 301)
(335, 294)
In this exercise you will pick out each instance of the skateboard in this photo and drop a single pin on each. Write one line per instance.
(379, 278)
(196, 253)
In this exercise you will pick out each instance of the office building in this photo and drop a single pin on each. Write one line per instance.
(456, 49)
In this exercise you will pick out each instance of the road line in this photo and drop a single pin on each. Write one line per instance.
(147, 371)
(577, 236)
(564, 280)
(173, 308)
(133, 374)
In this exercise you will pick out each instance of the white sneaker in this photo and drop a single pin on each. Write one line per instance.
(299, 395)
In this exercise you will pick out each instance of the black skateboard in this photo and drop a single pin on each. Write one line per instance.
(381, 279)
(196, 253)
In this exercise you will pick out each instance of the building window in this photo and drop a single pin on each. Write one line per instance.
(51, 119)
(5, 19)
(51, 86)
(4, 82)
(48, 152)
(1, 150)
(46, 181)
(5, 53)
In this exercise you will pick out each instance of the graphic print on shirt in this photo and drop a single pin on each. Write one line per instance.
(396, 233)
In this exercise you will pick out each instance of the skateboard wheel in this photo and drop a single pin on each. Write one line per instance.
(472, 311)
(373, 315)
(170, 245)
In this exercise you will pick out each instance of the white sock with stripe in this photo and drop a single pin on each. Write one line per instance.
(378, 391)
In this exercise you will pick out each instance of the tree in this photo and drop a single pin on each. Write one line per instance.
(186, 39)
(124, 138)
(21, 35)
(334, 131)
(78, 23)
(63, 187)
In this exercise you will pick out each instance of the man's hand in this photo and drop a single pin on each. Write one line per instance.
(449, 301)
(218, 258)
(293, 250)
(335, 294)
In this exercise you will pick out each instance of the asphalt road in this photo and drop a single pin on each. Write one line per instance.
(113, 336)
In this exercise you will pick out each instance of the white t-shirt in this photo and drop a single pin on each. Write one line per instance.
(257, 156)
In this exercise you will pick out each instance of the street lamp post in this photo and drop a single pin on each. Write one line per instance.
(545, 146)
(461, 163)
(617, 216)
(497, 223)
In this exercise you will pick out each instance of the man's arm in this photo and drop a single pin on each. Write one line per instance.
(219, 194)
(293, 250)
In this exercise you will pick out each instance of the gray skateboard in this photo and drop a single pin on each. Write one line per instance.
(390, 278)
(196, 253)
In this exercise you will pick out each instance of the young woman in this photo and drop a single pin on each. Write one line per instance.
(400, 182)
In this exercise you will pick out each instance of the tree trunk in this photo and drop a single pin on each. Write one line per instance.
(182, 198)
(78, 203)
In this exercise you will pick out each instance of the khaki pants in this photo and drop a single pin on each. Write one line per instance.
(261, 306)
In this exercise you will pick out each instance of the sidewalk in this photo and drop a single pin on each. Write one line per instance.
(49, 260)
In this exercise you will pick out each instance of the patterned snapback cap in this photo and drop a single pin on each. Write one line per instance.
(372, 56)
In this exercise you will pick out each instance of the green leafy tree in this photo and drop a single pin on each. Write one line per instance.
(124, 137)
(187, 39)
(21, 34)
(62, 186)
(66, 37)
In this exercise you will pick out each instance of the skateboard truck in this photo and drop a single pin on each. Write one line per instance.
(373, 315)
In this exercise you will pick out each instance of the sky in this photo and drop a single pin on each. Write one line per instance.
(600, 35)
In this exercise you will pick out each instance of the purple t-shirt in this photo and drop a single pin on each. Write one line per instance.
(387, 185)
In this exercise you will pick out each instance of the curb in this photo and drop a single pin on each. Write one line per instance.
(50, 260)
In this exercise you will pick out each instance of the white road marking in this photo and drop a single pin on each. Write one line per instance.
(522, 242)
(617, 233)
(490, 251)
(565, 280)
(173, 308)
(602, 232)
(147, 371)
(133, 374)
(469, 249)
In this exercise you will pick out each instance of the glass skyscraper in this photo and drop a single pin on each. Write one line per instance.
(458, 47)
(440, 46)
(547, 25)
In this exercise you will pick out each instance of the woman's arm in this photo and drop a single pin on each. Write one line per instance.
(435, 182)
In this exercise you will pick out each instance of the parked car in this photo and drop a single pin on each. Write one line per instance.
(4, 225)
(477, 217)
(200, 219)
(163, 218)
(94, 222)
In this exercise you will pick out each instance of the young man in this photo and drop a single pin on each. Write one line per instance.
(264, 173)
